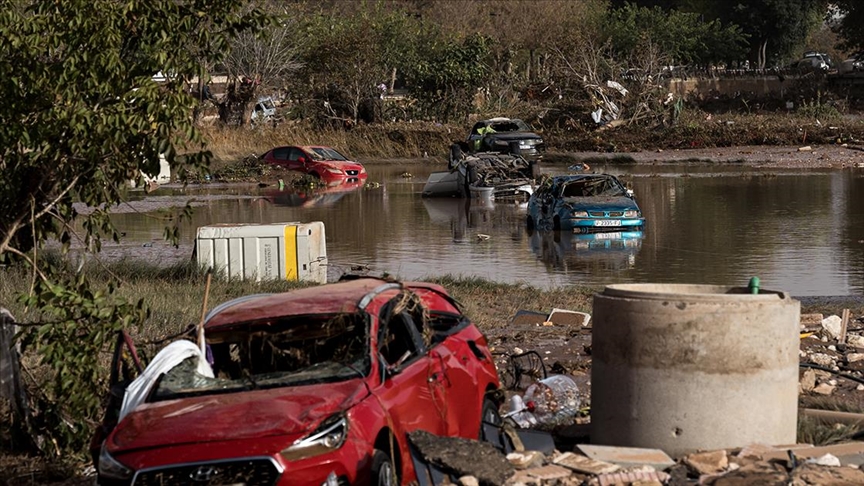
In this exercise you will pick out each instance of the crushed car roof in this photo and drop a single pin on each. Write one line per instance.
(342, 297)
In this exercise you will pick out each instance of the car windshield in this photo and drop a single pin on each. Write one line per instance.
(604, 186)
(514, 125)
(325, 153)
(287, 351)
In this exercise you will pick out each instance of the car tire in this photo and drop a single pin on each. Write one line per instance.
(315, 175)
(489, 413)
(383, 471)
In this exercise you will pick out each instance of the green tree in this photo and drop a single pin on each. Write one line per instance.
(847, 17)
(349, 56)
(777, 28)
(682, 36)
(446, 77)
(81, 117)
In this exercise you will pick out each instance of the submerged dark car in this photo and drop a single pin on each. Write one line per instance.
(507, 136)
(584, 203)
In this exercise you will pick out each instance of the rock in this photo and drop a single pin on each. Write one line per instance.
(853, 357)
(821, 359)
(814, 474)
(707, 462)
(761, 473)
(805, 149)
(825, 460)
(584, 464)
(525, 459)
(831, 327)
(808, 380)
(463, 457)
(860, 387)
(824, 389)
(468, 481)
(855, 340)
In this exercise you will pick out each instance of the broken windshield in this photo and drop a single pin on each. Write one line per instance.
(297, 350)
(326, 153)
(514, 125)
(593, 187)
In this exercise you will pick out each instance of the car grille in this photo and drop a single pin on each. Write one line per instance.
(604, 229)
(259, 471)
(602, 214)
(352, 172)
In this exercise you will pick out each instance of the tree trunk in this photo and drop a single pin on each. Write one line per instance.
(392, 80)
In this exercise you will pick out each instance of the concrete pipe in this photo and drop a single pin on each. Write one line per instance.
(693, 367)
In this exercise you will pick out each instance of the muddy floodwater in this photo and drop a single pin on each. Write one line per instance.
(801, 231)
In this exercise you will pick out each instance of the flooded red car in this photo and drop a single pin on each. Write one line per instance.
(325, 163)
(314, 386)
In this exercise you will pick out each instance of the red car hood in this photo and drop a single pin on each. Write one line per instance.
(240, 415)
(342, 164)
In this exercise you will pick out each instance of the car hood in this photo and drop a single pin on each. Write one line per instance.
(601, 203)
(230, 416)
(516, 136)
(342, 164)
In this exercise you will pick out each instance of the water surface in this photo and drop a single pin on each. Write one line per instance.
(802, 232)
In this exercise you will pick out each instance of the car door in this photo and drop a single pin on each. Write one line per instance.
(413, 390)
(279, 156)
(297, 159)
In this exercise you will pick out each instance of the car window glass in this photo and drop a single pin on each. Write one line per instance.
(326, 153)
(281, 153)
(287, 351)
(295, 154)
(398, 339)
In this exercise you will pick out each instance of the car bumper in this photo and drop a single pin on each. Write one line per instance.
(349, 463)
(336, 179)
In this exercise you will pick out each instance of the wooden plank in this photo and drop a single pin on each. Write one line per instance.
(844, 324)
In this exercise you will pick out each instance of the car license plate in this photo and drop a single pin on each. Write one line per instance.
(607, 222)
(607, 236)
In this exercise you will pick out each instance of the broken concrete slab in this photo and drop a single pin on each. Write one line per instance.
(525, 459)
(631, 478)
(710, 462)
(550, 471)
(768, 453)
(831, 327)
(584, 464)
(462, 457)
(627, 456)
(808, 380)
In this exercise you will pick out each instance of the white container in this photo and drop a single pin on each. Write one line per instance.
(286, 251)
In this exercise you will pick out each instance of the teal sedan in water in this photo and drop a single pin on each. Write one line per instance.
(583, 204)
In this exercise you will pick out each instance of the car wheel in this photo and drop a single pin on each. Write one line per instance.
(383, 472)
(315, 175)
(489, 414)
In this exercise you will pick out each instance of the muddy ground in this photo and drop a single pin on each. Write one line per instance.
(566, 348)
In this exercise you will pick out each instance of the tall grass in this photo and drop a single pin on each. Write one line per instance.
(383, 141)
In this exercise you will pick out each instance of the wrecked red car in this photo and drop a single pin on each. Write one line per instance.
(324, 163)
(314, 386)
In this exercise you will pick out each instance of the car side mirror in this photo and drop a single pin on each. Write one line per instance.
(302, 160)
(630, 193)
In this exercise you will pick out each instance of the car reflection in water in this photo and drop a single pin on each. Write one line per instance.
(311, 197)
(469, 217)
(564, 252)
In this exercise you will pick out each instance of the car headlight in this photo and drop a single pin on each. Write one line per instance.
(333, 170)
(112, 468)
(362, 170)
(580, 214)
(631, 214)
(329, 436)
